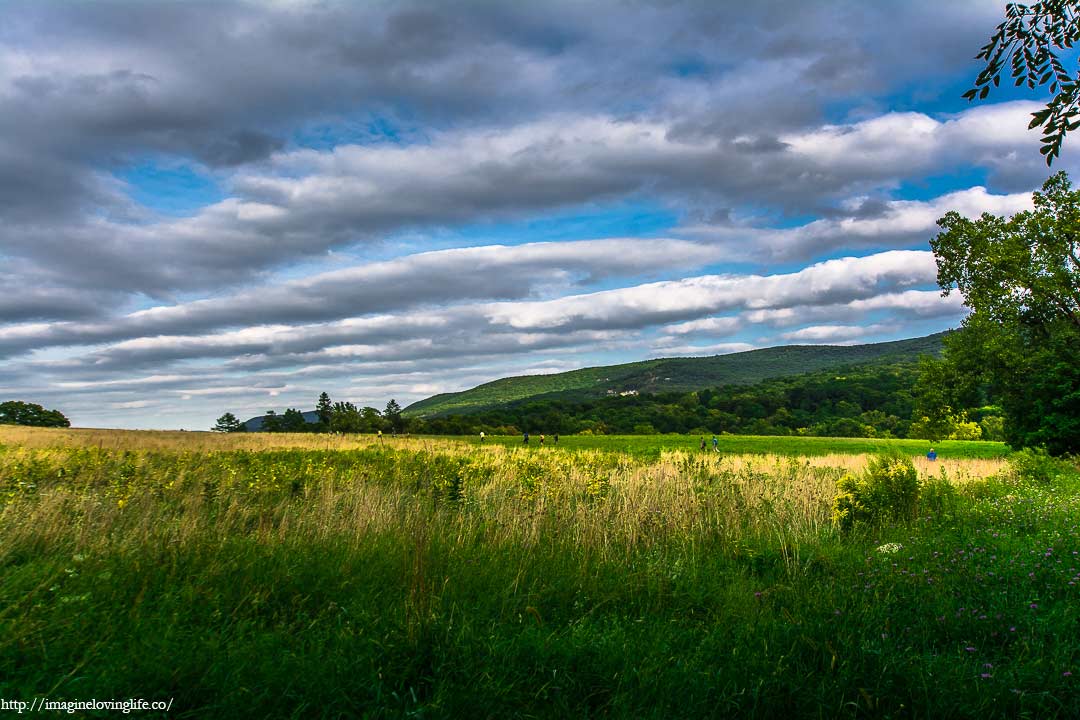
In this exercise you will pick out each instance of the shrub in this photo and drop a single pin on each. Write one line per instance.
(887, 490)
(1038, 466)
(938, 497)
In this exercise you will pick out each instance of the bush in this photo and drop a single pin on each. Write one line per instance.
(1036, 465)
(887, 490)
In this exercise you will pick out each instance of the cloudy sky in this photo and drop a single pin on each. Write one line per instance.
(234, 206)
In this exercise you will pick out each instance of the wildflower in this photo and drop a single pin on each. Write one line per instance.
(1067, 673)
(970, 649)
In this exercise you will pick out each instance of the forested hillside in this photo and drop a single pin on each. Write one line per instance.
(674, 374)
(869, 400)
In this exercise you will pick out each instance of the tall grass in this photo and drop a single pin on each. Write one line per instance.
(299, 576)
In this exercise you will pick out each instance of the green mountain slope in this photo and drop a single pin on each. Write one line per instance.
(674, 374)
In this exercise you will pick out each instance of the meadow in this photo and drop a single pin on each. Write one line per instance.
(347, 576)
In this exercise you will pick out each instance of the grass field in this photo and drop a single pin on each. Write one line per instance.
(313, 576)
(652, 446)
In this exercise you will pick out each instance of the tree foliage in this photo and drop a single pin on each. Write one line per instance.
(1021, 278)
(16, 412)
(1028, 41)
(325, 409)
(228, 423)
(393, 416)
(874, 400)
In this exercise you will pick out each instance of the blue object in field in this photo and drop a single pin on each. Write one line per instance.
(931, 455)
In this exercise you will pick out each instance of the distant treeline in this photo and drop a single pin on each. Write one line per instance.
(881, 400)
(862, 401)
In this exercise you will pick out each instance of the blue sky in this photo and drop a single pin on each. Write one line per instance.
(237, 206)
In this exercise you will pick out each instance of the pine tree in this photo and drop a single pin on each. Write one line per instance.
(228, 423)
(325, 409)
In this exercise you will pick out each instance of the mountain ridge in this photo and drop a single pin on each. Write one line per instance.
(673, 374)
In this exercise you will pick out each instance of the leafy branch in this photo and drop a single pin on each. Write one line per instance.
(1027, 42)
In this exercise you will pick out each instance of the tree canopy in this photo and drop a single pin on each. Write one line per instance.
(1021, 278)
(16, 412)
(228, 423)
(1028, 41)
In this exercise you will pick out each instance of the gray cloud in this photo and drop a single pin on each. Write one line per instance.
(438, 277)
(867, 223)
(303, 203)
(337, 126)
(471, 330)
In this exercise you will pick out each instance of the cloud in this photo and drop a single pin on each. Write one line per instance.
(517, 327)
(827, 282)
(835, 333)
(305, 202)
(779, 137)
(707, 326)
(866, 224)
(431, 278)
(900, 144)
(666, 350)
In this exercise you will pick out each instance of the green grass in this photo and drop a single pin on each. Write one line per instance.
(418, 578)
(652, 446)
(675, 374)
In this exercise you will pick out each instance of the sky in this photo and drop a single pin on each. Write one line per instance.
(211, 206)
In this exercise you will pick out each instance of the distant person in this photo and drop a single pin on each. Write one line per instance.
(703, 443)
(481, 436)
(556, 438)
(541, 441)
(525, 439)
(380, 434)
(931, 456)
(715, 444)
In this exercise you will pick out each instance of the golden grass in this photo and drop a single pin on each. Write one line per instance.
(602, 503)
(199, 441)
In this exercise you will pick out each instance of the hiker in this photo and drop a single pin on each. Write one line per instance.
(715, 444)
(703, 443)
(541, 441)
(556, 438)
(931, 456)
(481, 436)
(525, 439)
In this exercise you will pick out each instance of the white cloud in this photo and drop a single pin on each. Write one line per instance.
(707, 326)
(828, 282)
(835, 333)
(896, 223)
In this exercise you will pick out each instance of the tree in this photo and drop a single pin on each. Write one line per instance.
(325, 410)
(15, 412)
(228, 423)
(293, 421)
(345, 418)
(393, 415)
(1021, 278)
(1027, 41)
(271, 422)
